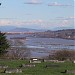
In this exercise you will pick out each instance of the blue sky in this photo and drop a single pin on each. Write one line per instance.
(37, 14)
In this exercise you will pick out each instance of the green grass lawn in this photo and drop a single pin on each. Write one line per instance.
(39, 69)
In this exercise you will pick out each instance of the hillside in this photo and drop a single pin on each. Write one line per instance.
(65, 34)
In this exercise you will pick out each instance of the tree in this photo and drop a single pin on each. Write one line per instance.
(64, 55)
(3, 43)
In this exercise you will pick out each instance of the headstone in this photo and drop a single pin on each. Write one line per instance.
(50, 60)
(51, 65)
(74, 61)
(10, 70)
(3, 66)
(27, 65)
(36, 60)
(70, 71)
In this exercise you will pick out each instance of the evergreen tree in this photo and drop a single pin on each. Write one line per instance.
(3, 43)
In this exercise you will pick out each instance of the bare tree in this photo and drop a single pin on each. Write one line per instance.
(64, 55)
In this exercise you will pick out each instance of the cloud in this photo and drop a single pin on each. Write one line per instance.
(7, 18)
(38, 23)
(5, 22)
(66, 18)
(19, 23)
(65, 21)
(33, 2)
(28, 14)
(72, 17)
(58, 4)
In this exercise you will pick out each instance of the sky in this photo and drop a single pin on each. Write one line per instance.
(37, 14)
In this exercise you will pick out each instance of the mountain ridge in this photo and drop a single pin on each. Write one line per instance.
(22, 29)
(17, 29)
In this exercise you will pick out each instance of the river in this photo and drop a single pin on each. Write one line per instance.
(40, 47)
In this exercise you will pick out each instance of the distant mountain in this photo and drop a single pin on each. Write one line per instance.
(6, 28)
(17, 29)
(62, 28)
(25, 30)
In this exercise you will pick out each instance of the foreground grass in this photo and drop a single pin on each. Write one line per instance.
(39, 69)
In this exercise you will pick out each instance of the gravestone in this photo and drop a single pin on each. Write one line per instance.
(12, 70)
(70, 71)
(3, 66)
(74, 61)
(51, 65)
(27, 65)
(36, 60)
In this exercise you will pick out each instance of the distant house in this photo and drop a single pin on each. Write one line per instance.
(36, 60)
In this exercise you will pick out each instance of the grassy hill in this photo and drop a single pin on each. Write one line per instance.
(39, 69)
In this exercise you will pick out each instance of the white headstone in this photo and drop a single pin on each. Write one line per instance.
(74, 61)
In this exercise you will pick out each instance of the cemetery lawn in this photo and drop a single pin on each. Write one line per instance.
(39, 69)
